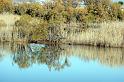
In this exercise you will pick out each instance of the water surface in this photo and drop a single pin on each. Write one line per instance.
(60, 63)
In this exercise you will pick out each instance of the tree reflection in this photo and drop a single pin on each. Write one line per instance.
(27, 55)
(57, 57)
(51, 56)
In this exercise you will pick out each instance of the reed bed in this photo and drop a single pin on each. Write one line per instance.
(7, 22)
(2, 23)
(9, 19)
(106, 34)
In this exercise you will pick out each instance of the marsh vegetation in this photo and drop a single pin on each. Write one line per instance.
(74, 22)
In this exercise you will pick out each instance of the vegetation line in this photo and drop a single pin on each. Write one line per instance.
(92, 22)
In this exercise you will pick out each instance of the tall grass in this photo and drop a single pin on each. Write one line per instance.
(2, 23)
(106, 34)
(7, 26)
(9, 19)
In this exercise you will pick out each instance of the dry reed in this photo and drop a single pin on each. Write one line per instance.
(108, 34)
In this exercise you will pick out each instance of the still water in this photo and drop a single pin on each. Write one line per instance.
(63, 63)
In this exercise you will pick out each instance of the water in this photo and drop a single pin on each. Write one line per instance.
(63, 63)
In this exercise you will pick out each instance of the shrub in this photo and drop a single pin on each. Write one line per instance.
(40, 32)
(5, 6)
(33, 9)
(32, 28)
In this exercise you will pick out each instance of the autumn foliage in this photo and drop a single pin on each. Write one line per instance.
(5, 5)
(67, 11)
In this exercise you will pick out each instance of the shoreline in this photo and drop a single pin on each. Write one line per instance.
(106, 34)
(54, 43)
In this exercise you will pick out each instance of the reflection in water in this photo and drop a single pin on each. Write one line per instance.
(108, 56)
(57, 57)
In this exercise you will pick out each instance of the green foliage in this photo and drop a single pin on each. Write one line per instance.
(68, 11)
(32, 28)
(116, 12)
(89, 18)
(32, 9)
(40, 31)
(38, 21)
(48, 18)
(100, 9)
(80, 14)
(121, 2)
(20, 9)
(24, 21)
(23, 26)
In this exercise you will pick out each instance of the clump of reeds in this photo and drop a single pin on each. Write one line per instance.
(108, 34)
(9, 19)
(7, 22)
(2, 23)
